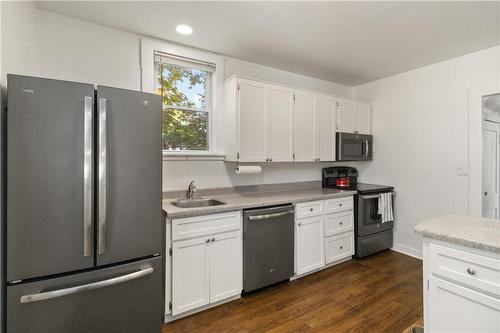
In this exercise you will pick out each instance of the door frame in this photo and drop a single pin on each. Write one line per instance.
(474, 151)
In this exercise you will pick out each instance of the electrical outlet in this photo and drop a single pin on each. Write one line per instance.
(461, 171)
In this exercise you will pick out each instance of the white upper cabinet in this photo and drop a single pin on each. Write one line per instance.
(353, 117)
(305, 127)
(280, 119)
(265, 122)
(252, 120)
(325, 114)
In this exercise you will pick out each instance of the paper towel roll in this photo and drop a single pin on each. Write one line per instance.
(248, 169)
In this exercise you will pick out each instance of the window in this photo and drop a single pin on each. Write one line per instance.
(185, 87)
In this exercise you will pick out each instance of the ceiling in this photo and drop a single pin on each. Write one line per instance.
(344, 42)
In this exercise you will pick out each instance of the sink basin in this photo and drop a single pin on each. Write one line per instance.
(193, 203)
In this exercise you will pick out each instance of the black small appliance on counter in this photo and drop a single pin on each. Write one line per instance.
(370, 234)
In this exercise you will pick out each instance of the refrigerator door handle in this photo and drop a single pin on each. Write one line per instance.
(87, 177)
(85, 287)
(102, 177)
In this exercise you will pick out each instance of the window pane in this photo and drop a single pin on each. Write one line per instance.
(185, 130)
(180, 86)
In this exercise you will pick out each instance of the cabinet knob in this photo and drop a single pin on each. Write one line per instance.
(340, 223)
(340, 205)
(341, 247)
(270, 160)
(207, 241)
(213, 239)
(299, 224)
(471, 271)
(486, 193)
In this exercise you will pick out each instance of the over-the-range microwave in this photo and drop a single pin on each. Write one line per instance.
(354, 147)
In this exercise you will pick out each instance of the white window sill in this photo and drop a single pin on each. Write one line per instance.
(192, 156)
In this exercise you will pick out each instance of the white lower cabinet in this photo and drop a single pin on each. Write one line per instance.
(225, 266)
(454, 308)
(206, 269)
(309, 242)
(323, 233)
(190, 274)
(339, 246)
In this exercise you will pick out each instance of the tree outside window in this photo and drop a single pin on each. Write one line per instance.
(185, 97)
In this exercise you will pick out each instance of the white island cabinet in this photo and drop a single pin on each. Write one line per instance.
(461, 257)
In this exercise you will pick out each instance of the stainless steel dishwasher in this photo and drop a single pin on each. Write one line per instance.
(268, 246)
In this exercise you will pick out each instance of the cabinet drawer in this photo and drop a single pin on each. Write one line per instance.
(476, 271)
(338, 204)
(339, 222)
(339, 246)
(307, 209)
(190, 227)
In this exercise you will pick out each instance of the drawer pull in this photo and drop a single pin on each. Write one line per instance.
(471, 271)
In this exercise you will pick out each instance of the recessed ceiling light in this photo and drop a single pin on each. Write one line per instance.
(184, 29)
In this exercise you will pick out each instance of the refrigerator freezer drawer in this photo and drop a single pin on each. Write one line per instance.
(125, 298)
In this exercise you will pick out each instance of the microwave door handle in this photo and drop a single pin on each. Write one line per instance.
(367, 142)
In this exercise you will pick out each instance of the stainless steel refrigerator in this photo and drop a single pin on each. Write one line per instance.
(83, 208)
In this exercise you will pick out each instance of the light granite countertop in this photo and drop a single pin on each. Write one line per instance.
(475, 232)
(238, 201)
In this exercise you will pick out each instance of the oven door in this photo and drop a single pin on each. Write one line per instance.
(368, 220)
(354, 147)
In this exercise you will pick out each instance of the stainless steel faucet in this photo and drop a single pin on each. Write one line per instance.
(191, 191)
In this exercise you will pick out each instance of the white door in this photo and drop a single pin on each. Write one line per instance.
(252, 138)
(325, 111)
(345, 116)
(190, 274)
(362, 118)
(453, 308)
(305, 129)
(491, 169)
(310, 244)
(280, 116)
(225, 266)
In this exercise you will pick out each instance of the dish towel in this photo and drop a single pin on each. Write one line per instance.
(385, 207)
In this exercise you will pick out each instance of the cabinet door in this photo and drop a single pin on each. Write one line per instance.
(225, 266)
(345, 116)
(280, 118)
(310, 244)
(305, 129)
(190, 274)
(453, 308)
(362, 118)
(325, 112)
(252, 136)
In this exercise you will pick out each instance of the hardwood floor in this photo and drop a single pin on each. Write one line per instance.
(382, 293)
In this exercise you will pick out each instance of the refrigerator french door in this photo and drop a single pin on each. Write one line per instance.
(83, 208)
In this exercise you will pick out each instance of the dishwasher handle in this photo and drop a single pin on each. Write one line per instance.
(269, 216)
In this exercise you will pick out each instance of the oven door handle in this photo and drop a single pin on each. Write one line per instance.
(375, 196)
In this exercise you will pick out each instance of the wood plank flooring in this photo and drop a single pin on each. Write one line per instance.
(382, 293)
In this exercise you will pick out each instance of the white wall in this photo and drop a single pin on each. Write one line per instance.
(420, 128)
(57, 46)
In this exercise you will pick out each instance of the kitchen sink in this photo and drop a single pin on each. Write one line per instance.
(193, 203)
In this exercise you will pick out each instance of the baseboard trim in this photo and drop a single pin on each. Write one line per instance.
(409, 251)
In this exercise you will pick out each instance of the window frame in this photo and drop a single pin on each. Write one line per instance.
(148, 83)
